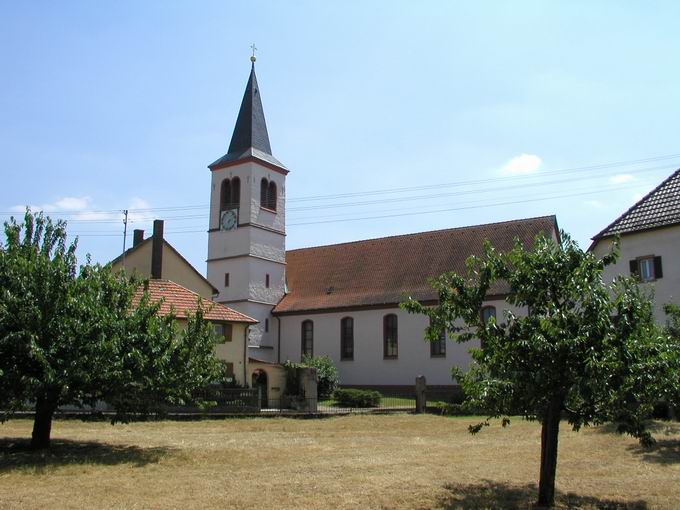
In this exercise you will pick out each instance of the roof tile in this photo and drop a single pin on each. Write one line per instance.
(659, 208)
(183, 301)
(386, 270)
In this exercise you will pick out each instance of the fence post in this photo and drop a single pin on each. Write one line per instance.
(421, 400)
(259, 398)
(308, 382)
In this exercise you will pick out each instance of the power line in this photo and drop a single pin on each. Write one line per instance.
(384, 216)
(293, 210)
(452, 194)
(492, 179)
(405, 189)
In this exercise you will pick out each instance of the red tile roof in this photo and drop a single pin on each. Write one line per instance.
(385, 271)
(658, 208)
(181, 301)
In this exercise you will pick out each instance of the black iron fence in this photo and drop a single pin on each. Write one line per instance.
(246, 401)
(252, 401)
(222, 401)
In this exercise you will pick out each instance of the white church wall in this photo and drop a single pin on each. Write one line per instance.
(269, 245)
(228, 243)
(239, 278)
(368, 366)
(256, 213)
(258, 289)
(663, 242)
(244, 241)
(261, 343)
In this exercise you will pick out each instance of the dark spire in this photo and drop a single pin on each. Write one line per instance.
(250, 138)
(251, 128)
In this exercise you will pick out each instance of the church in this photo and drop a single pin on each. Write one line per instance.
(338, 300)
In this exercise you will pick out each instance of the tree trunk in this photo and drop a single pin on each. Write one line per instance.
(549, 434)
(42, 425)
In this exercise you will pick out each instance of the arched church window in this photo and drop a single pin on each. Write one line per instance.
(487, 312)
(268, 194)
(390, 337)
(271, 196)
(307, 338)
(347, 338)
(230, 195)
(225, 194)
(235, 193)
(264, 189)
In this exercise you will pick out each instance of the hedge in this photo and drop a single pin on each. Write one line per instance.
(356, 398)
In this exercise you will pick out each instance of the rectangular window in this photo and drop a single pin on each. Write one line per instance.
(438, 348)
(219, 330)
(230, 369)
(390, 340)
(266, 281)
(226, 279)
(266, 325)
(224, 331)
(647, 269)
(347, 339)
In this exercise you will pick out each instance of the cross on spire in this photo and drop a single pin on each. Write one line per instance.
(253, 58)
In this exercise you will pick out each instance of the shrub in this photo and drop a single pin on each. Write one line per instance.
(327, 373)
(292, 378)
(357, 398)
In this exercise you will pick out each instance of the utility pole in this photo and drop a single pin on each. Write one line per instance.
(125, 222)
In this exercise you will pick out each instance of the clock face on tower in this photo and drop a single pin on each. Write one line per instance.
(229, 219)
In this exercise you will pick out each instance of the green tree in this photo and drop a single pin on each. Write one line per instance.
(671, 390)
(326, 372)
(586, 351)
(72, 335)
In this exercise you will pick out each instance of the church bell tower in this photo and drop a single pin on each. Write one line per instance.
(246, 237)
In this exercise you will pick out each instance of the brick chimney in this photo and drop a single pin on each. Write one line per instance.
(157, 250)
(137, 237)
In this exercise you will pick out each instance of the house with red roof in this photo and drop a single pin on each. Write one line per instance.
(180, 289)
(649, 236)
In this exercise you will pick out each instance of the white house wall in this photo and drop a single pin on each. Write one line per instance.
(368, 366)
(233, 352)
(664, 242)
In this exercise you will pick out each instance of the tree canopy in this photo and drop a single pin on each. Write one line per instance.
(81, 335)
(569, 346)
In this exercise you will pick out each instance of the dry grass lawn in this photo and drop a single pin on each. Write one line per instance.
(386, 461)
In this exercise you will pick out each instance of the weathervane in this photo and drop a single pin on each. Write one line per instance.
(253, 58)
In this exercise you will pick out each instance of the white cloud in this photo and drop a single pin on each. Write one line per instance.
(522, 164)
(139, 216)
(61, 204)
(595, 204)
(73, 203)
(621, 178)
(82, 209)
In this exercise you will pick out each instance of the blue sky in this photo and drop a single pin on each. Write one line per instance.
(481, 105)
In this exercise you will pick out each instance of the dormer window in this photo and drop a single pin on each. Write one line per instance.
(268, 194)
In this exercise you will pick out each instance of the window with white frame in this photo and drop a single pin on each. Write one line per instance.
(647, 269)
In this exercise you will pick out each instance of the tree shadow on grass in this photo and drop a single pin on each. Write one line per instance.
(666, 450)
(494, 495)
(656, 427)
(15, 454)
